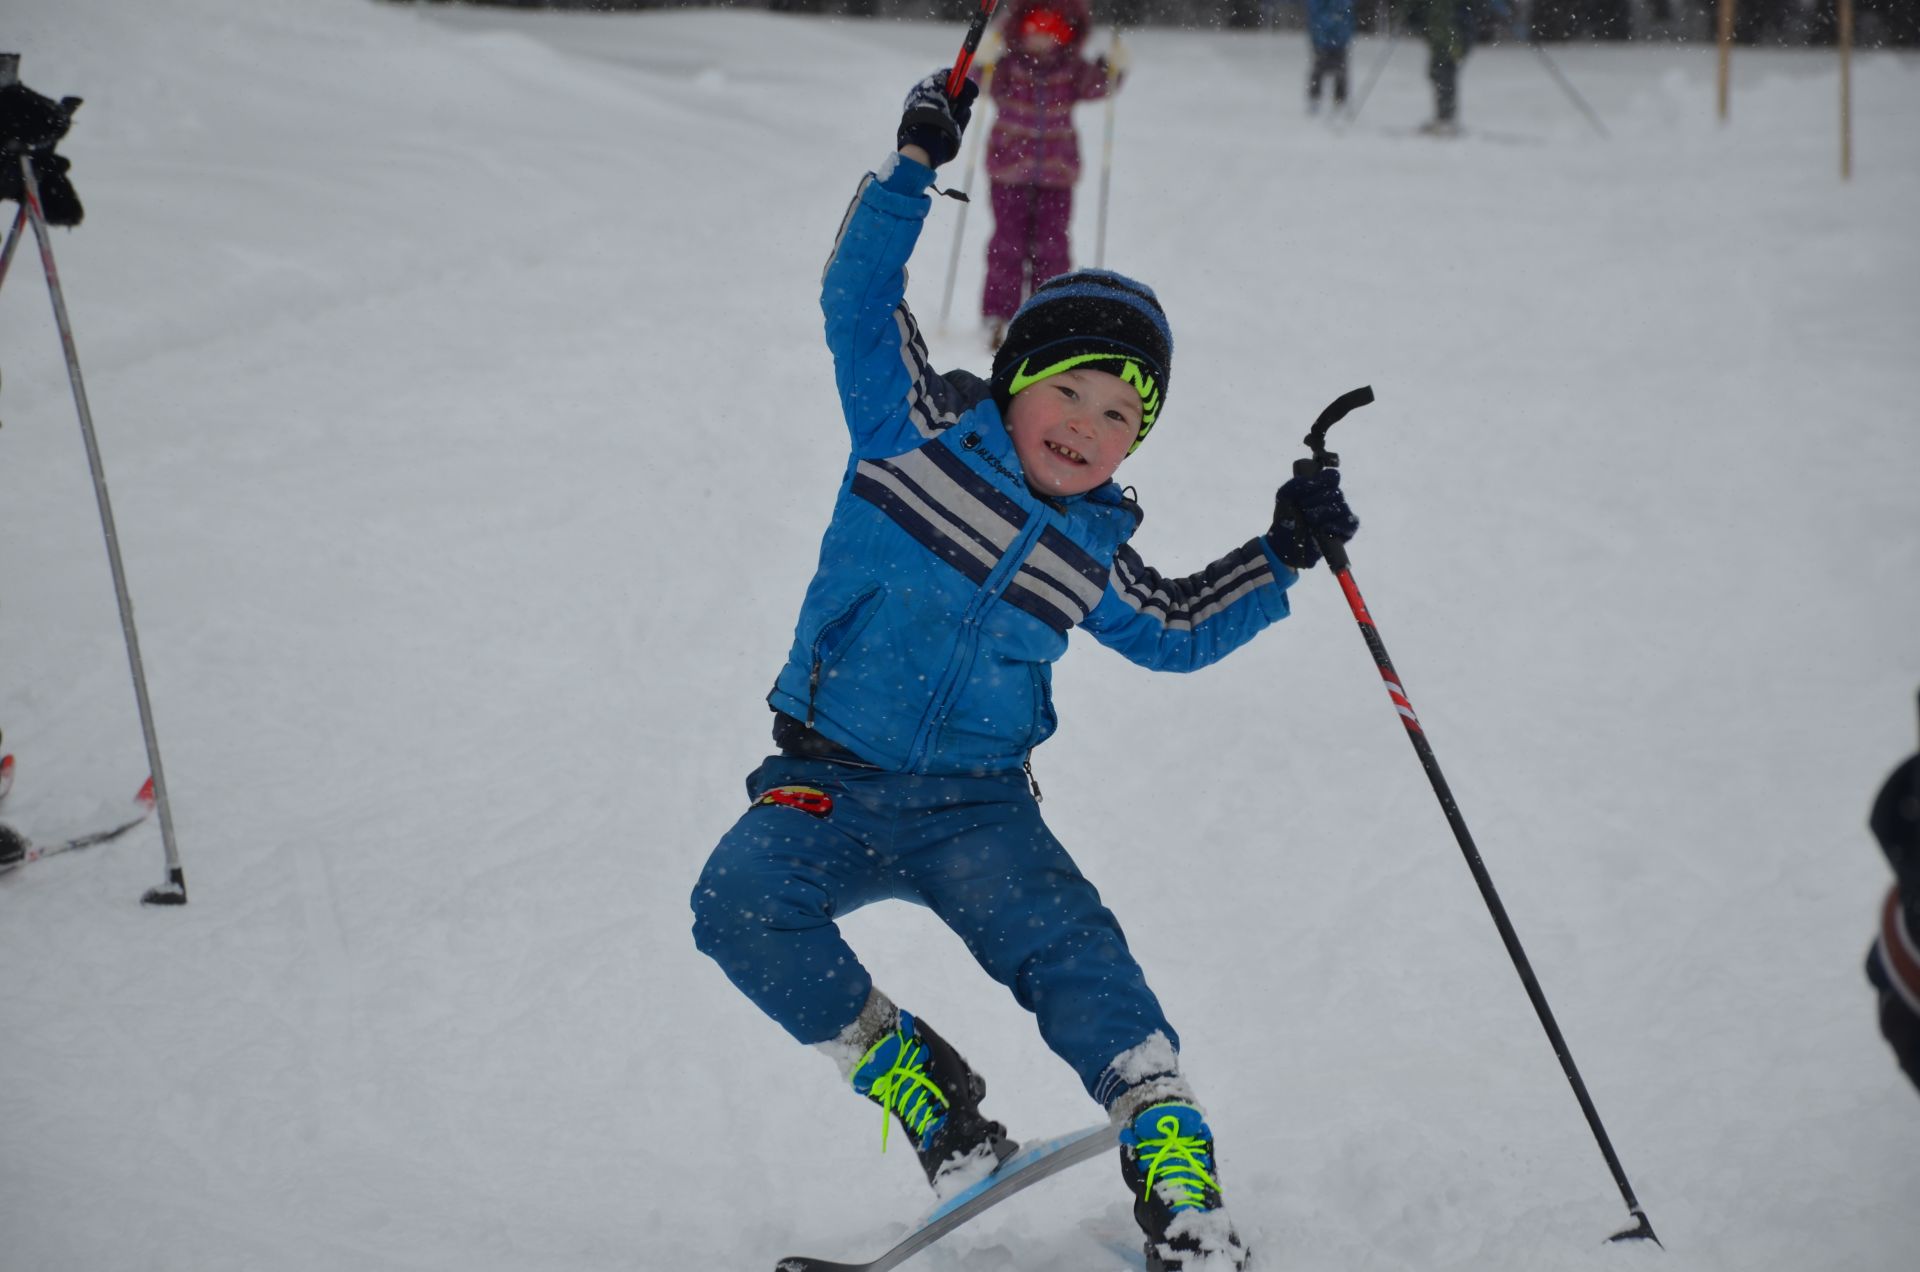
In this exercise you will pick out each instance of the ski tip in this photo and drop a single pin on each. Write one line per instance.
(6, 774)
(145, 797)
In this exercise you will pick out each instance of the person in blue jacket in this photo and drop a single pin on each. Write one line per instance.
(977, 525)
(1330, 32)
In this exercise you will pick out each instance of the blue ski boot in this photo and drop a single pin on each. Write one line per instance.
(914, 1074)
(1166, 1157)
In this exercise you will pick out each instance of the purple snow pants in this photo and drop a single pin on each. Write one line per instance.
(1029, 233)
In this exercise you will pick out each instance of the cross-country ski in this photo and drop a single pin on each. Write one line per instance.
(16, 850)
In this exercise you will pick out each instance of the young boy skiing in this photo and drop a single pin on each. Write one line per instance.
(1033, 152)
(976, 526)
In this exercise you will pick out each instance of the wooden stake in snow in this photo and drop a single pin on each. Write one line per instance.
(1725, 40)
(1846, 90)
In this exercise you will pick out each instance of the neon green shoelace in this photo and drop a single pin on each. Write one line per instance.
(1176, 1160)
(906, 1089)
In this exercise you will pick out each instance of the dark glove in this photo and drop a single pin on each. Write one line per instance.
(1891, 966)
(1307, 507)
(31, 124)
(1899, 1024)
(933, 121)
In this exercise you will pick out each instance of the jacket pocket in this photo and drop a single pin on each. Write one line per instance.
(836, 635)
(1044, 719)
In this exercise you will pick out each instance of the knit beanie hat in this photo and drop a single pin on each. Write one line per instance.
(1090, 318)
(1041, 20)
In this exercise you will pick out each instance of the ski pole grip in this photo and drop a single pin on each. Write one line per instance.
(1321, 459)
(1335, 553)
(1316, 438)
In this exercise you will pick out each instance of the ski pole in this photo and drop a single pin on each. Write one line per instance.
(969, 46)
(174, 890)
(1566, 86)
(13, 241)
(1336, 555)
(966, 189)
(1373, 76)
(1106, 159)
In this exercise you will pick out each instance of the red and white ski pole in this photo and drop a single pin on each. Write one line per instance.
(1336, 555)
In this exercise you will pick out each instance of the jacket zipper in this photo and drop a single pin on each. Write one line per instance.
(996, 582)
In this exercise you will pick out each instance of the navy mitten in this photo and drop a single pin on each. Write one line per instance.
(933, 121)
(1306, 510)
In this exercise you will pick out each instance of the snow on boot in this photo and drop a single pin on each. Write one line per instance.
(1166, 1157)
(913, 1073)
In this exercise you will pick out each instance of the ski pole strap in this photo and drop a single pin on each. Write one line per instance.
(969, 46)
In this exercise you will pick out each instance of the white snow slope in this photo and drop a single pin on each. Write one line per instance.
(460, 386)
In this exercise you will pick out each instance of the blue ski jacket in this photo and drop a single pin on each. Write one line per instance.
(1330, 23)
(946, 587)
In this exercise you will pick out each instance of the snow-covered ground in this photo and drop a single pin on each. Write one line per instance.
(459, 381)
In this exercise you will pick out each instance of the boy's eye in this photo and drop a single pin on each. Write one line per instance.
(1066, 390)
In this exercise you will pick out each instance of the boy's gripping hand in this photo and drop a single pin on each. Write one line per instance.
(1306, 510)
(933, 121)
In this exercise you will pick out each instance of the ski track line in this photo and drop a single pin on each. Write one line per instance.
(334, 1017)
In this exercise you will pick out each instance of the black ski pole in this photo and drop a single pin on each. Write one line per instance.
(13, 241)
(1336, 555)
(1566, 86)
(1373, 77)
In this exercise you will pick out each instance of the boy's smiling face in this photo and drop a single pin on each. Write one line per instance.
(1072, 430)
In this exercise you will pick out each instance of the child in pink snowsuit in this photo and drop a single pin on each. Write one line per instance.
(1033, 153)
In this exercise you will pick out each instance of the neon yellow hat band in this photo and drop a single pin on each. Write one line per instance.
(1130, 371)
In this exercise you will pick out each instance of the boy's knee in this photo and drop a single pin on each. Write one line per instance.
(737, 899)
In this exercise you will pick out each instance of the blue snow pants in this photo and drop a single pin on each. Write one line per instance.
(971, 849)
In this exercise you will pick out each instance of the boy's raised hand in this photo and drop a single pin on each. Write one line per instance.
(933, 121)
(1306, 510)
